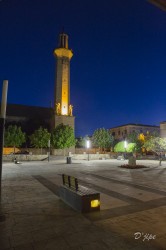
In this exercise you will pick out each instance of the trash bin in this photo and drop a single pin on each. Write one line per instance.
(68, 160)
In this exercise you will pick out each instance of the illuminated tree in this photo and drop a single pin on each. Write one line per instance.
(40, 138)
(157, 145)
(119, 147)
(63, 137)
(137, 139)
(14, 137)
(102, 138)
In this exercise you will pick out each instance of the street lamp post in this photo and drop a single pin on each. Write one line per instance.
(88, 146)
(125, 146)
(49, 150)
(2, 124)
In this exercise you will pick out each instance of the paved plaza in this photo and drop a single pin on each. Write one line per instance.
(132, 216)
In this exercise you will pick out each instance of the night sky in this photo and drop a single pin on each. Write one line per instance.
(118, 71)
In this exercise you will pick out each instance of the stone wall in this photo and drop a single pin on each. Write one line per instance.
(63, 152)
(21, 158)
(66, 120)
(91, 156)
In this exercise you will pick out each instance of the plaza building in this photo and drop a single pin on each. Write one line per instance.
(121, 132)
(29, 118)
(163, 129)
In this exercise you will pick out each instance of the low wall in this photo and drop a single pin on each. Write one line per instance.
(38, 151)
(34, 151)
(85, 150)
(63, 152)
(11, 158)
(90, 156)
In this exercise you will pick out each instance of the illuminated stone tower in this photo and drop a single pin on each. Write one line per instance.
(63, 107)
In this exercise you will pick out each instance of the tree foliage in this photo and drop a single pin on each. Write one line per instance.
(133, 137)
(138, 139)
(119, 147)
(155, 144)
(102, 138)
(63, 137)
(40, 138)
(14, 137)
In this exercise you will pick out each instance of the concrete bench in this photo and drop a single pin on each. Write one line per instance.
(120, 157)
(80, 198)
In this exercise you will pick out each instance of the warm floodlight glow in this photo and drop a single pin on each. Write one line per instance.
(88, 143)
(64, 110)
(95, 203)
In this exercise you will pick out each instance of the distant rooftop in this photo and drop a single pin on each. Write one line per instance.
(28, 111)
(135, 124)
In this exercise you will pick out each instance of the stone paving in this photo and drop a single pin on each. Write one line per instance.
(132, 216)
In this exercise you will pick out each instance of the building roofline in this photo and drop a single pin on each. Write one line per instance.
(26, 106)
(135, 124)
(19, 110)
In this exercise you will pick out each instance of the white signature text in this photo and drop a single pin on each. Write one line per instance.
(144, 236)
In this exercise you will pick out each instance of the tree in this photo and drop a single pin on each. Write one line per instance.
(157, 145)
(102, 138)
(133, 137)
(14, 137)
(119, 147)
(40, 138)
(63, 137)
(137, 139)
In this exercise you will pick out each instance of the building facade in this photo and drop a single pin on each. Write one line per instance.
(121, 132)
(163, 129)
(29, 118)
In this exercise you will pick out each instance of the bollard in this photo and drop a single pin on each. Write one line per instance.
(68, 160)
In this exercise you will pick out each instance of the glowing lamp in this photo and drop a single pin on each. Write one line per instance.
(95, 203)
(125, 144)
(88, 143)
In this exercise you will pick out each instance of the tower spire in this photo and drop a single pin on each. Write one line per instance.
(63, 107)
(63, 40)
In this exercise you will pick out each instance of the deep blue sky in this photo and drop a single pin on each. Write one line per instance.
(118, 72)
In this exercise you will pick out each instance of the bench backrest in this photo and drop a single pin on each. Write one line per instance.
(70, 182)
